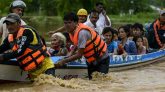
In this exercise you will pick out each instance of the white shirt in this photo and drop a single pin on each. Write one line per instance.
(89, 24)
(101, 22)
(3, 28)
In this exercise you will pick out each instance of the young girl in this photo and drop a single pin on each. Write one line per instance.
(138, 30)
(58, 45)
(141, 49)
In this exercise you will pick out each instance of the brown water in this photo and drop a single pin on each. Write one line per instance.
(150, 78)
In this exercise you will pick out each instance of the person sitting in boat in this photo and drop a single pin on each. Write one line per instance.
(27, 47)
(115, 36)
(89, 44)
(156, 32)
(58, 45)
(69, 44)
(141, 49)
(125, 45)
(108, 34)
(138, 30)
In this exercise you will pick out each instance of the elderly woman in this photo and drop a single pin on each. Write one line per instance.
(58, 45)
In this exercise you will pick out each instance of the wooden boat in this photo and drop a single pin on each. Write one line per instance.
(9, 70)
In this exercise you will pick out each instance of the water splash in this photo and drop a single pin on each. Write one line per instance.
(100, 76)
(47, 79)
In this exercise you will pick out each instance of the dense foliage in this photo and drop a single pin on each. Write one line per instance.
(59, 7)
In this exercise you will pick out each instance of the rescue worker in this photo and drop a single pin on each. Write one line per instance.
(27, 47)
(82, 17)
(17, 7)
(156, 32)
(89, 44)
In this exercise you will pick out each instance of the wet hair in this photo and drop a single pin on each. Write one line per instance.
(140, 26)
(71, 16)
(126, 29)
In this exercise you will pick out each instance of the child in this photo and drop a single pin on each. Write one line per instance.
(58, 45)
(108, 34)
(141, 49)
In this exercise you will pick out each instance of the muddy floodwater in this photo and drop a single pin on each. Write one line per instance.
(150, 78)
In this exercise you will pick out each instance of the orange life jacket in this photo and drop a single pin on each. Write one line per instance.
(157, 27)
(32, 56)
(94, 48)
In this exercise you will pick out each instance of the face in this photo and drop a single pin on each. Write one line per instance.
(115, 37)
(94, 17)
(18, 11)
(162, 20)
(99, 8)
(12, 27)
(55, 41)
(82, 18)
(137, 32)
(70, 26)
(108, 37)
(122, 34)
(139, 42)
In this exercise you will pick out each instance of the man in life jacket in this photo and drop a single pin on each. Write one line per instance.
(156, 32)
(89, 44)
(27, 47)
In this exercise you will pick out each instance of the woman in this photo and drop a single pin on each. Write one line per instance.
(125, 45)
(58, 45)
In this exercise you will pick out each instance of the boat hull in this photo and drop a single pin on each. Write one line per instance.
(77, 69)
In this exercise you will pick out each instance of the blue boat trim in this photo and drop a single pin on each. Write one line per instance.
(115, 60)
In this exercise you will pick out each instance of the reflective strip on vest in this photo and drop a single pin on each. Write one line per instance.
(32, 56)
(94, 48)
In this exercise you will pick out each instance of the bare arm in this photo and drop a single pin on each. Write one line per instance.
(61, 29)
(71, 58)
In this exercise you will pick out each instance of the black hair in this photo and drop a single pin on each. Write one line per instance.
(126, 29)
(129, 25)
(93, 11)
(66, 34)
(99, 3)
(71, 16)
(140, 26)
(115, 31)
(136, 38)
(109, 29)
